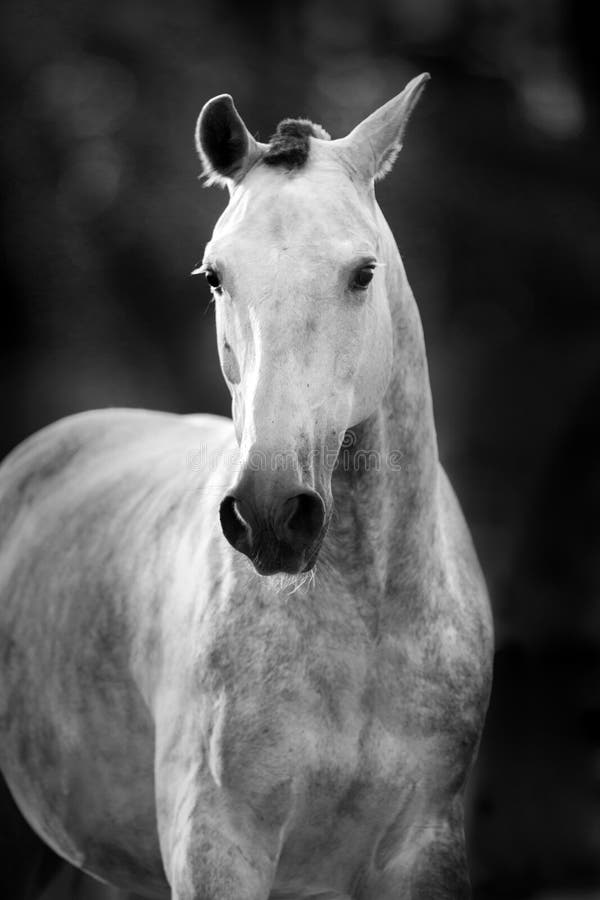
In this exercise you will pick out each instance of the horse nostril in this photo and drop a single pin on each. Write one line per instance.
(234, 524)
(301, 518)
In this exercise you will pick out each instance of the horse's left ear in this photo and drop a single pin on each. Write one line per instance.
(224, 144)
(372, 147)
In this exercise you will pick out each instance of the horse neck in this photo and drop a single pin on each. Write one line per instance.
(385, 484)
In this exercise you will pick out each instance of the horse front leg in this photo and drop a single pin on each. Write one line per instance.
(213, 850)
(431, 865)
(218, 841)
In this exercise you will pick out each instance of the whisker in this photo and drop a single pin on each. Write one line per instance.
(290, 584)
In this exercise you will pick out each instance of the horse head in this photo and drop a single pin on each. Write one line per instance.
(302, 310)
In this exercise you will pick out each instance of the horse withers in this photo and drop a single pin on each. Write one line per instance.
(252, 659)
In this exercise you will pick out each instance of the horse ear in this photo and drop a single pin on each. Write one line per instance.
(224, 144)
(372, 147)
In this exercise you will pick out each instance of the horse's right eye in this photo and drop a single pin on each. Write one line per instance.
(213, 279)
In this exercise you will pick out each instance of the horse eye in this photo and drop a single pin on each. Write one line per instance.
(213, 279)
(363, 277)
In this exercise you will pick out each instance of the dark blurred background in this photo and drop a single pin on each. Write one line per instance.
(494, 204)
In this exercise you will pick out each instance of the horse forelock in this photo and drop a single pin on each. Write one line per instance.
(290, 145)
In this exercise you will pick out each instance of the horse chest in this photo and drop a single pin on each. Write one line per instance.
(333, 730)
(327, 751)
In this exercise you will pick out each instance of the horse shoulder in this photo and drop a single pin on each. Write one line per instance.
(99, 516)
(94, 508)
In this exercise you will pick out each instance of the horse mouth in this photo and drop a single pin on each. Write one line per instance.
(278, 559)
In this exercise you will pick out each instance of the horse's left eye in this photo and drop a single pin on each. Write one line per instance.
(363, 277)
(213, 278)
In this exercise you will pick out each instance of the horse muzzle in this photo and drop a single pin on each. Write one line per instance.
(279, 531)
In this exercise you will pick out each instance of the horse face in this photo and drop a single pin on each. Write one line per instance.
(304, 329)
(305, 345)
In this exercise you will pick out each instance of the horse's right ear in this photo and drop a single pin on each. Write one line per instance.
(224, 144)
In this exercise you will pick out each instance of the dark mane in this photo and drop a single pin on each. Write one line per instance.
(290, 145)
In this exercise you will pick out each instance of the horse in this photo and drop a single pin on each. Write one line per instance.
(251, 658)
